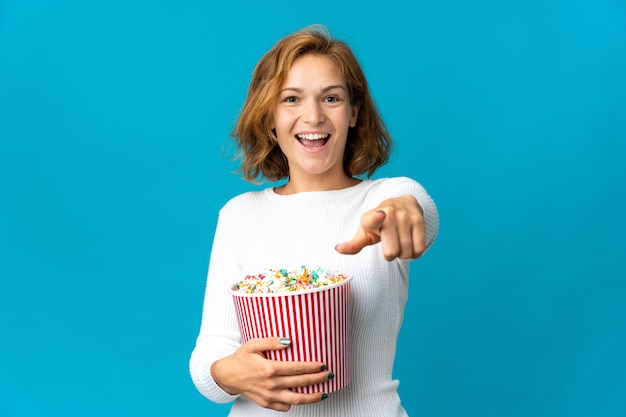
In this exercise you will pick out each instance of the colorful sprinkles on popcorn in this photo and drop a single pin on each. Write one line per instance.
(281, 280)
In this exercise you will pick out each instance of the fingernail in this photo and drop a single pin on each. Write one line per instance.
(380, 211)
(285, 342)
(331, 375)
(324, 396)
(323, 368)
(336, 246)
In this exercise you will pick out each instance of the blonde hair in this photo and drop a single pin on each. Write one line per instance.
(369, 143)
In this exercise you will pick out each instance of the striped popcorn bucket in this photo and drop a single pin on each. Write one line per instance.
(317, 321)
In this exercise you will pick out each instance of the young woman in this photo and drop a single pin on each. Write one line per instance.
(309, 118)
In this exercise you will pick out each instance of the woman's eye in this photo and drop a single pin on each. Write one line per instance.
(290, 99)
(331, 99)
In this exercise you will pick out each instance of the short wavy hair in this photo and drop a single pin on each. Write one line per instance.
(368, 144)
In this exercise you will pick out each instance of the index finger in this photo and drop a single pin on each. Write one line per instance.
(367, 234)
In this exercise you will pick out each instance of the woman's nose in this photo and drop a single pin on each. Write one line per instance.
(313, 113)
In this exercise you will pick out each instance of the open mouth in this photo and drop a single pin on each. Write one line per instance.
(313, 140)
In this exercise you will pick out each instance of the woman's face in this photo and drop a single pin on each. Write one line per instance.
(311, 119)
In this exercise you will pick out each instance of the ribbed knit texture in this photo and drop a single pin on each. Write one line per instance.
(260, 230)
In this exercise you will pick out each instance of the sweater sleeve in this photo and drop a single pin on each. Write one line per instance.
(219, 332)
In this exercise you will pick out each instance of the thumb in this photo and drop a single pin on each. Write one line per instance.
(267, 343)
(367, 234)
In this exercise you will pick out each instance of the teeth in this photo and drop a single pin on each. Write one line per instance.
(313, 136)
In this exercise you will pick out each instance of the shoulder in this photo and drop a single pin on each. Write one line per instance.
(239, 208)
(244, 202)
(396, 186)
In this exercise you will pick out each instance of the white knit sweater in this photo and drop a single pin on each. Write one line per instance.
(260, 230)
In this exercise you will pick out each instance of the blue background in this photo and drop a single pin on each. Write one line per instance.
(114, 124)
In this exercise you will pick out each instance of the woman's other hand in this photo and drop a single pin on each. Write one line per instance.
(268, 382)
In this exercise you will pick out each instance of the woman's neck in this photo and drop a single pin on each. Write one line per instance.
(306, 185)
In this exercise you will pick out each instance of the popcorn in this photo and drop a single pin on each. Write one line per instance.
(281, 280)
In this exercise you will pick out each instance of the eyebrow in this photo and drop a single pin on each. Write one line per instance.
(326, 89)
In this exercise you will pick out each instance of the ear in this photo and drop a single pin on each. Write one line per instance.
(355, 115)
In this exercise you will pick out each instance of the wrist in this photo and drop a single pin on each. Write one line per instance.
(219, 373)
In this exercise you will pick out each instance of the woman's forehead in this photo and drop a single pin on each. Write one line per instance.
(314, 70)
